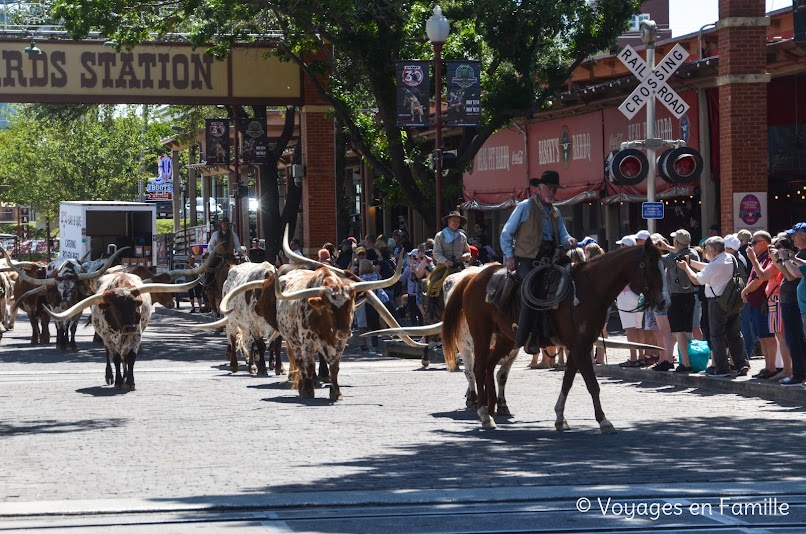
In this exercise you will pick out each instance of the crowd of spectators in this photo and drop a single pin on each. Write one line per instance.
(771, 316)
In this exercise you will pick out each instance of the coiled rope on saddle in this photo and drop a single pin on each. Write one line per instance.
(532, 284)
(436, 278)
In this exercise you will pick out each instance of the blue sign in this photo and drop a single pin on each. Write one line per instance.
(652, 210)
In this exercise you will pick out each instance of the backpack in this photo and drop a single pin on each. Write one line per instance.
(731, 298)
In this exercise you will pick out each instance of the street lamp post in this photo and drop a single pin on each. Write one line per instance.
(438, 28)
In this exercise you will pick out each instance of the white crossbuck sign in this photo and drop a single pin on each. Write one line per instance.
(653, 83)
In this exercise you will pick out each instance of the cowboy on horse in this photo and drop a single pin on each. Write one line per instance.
(531, 237)
(451, 250)
(224, 244)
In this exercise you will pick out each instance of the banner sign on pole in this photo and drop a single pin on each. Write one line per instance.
(253, 132)
(464, 93)
(750, 211)
(164, 165)
(216, 139)
(413, 93)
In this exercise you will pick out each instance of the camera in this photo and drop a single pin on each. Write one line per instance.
(676, 256)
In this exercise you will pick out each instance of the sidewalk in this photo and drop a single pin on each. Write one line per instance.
(744, 386)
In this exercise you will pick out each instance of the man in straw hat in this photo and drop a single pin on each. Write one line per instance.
(534, 232)
(450, 244)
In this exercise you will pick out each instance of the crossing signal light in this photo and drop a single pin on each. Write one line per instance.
(680, 165)
(627, 167)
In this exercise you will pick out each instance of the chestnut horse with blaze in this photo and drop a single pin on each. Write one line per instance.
(577, 324)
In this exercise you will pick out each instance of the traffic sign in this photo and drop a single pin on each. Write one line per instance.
(652, 210)
(653, 83)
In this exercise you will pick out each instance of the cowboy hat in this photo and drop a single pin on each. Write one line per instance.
(550, 178)
(454, 214)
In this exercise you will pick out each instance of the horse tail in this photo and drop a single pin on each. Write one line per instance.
(452, 317)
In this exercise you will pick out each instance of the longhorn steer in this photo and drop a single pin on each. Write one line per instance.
(121, 309)
(246, 321)
(67, 284)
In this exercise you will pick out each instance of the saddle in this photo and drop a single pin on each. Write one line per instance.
(501, 291)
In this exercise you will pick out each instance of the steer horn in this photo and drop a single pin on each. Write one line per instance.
(168, 288)
(223, 306)
(31, 292)
(211, 326)
(306, 293)
(372, 298)
(380, 284)
(106, 266)
(76, 308)
(425, 330)
(613, 344)
(176, 273)
(24, 276)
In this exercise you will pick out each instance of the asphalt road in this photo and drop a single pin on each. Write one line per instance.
(196, 448)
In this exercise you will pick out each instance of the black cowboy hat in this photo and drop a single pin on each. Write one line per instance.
(454, 214)
(224, 220)
(549, 178)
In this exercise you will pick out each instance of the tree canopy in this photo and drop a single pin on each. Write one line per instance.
(96, 157)
(528, 50)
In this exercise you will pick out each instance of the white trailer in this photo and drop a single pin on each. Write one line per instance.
(91, 226)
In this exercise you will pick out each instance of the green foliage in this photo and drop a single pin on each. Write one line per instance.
(97, 157)
(528, 49)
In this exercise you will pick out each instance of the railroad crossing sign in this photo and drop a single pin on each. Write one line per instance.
(653, 83)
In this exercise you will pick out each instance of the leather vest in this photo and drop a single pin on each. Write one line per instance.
(529, 236)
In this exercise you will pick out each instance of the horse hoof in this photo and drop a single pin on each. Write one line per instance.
(607, 427)
(489, 424)
(470, 405)
(128, 387)
(562, 426)
(262, 372)
(252, 370)
(504, 410)
(233, 368)
(335, 395)
(109, 381)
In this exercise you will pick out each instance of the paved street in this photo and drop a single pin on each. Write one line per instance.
(200, 449)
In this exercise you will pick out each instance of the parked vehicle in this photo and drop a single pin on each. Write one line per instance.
(91, 226)
(215, 208)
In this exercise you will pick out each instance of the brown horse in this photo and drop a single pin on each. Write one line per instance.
(577, 324)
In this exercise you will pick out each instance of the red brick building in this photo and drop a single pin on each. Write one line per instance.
(744, 81)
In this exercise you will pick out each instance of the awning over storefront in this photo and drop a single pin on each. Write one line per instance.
(577, 148)
(499, 177)
(572, 147)
(618, 129)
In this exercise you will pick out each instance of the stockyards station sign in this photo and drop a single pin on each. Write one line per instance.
(88, 72)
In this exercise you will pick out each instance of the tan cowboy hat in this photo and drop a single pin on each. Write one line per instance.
(454, 213)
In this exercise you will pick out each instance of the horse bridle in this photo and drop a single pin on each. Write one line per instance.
(644, 289)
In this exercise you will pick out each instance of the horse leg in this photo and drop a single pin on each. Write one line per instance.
(501, 377)
(586, 370)
(471, 397)
(482, 355)
(568, 381)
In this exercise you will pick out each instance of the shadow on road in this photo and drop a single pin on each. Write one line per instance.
(58, 427)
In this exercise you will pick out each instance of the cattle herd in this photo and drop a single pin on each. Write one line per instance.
(308, 304)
